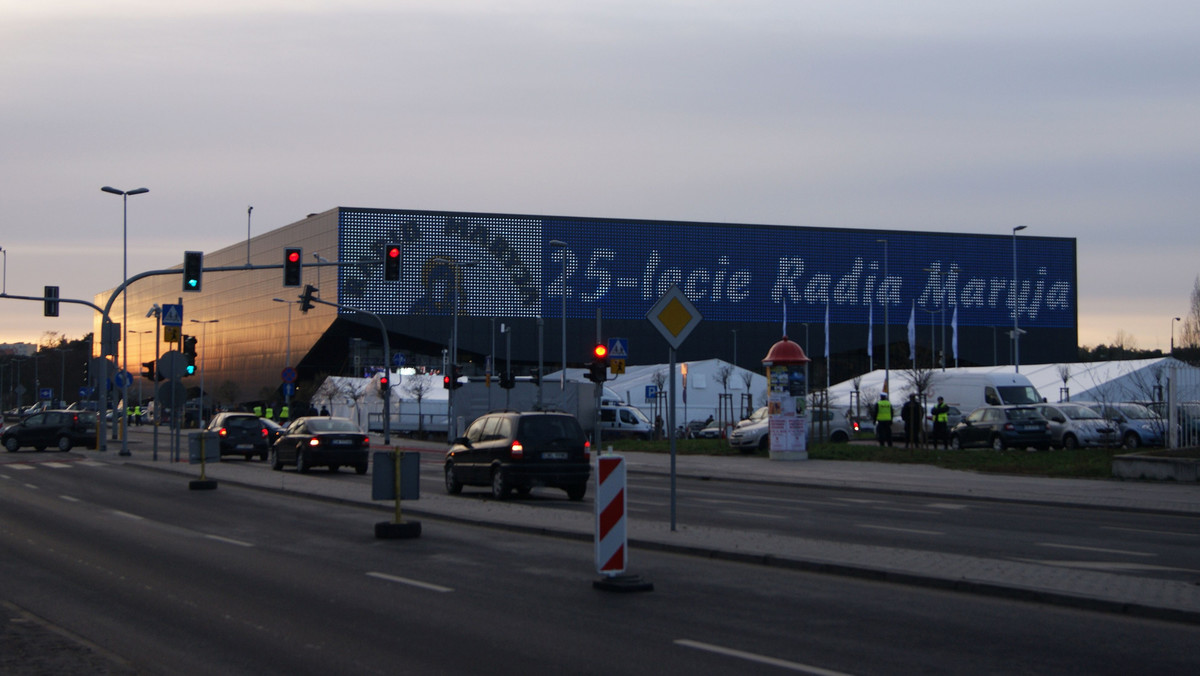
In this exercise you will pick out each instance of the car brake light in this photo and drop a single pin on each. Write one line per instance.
(1009, 427)
(222, 432)
(314, 442)
(517, 451)
(264, 432)
(587, 450)
(366, 442)
(855, 425)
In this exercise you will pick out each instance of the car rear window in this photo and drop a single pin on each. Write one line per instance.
(331, 425)
(547, 428)
(243, 423)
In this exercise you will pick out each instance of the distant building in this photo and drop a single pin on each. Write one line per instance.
(17, 349)
(750, 283)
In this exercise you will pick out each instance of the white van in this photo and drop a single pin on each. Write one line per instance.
(968, 391)
(621, 419)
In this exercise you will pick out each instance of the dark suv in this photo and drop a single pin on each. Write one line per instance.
(62, 429)
(241, 434)
(511, 450)
(1001, 427)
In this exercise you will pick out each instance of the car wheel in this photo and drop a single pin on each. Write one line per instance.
(997, 443)
(764, 444)
(839, 437)
(955, 442)
(302, 465)
(360, 468)
(11, 444)
(1132, 440)
(276, 464)
(453, 485)
(500, 484)
(576, 491)
(64, 443)
(1070, 442)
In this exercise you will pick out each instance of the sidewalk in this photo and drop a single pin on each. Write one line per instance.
(1147, 597)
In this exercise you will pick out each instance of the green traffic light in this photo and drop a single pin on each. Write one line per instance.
(191, 369)
(192, 283)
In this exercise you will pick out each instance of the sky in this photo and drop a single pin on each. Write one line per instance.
(1075, 118)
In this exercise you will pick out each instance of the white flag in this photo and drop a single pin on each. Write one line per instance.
(785, 319)
(912, 334)
(954, 335)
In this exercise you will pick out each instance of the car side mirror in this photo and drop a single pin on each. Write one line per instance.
(461, 441)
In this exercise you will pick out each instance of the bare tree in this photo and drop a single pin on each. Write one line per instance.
(1190, 335)
(724, 375)
(1064, 373)
(417, 387)
(919, 379)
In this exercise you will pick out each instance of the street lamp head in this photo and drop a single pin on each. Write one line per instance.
(1019, 227)
(557, 242)
(135, 191)
(113, 190)
(280, 300)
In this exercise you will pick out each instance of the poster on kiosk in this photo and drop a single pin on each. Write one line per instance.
(786, 402)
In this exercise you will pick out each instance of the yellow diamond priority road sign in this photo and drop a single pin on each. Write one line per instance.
(674, 316)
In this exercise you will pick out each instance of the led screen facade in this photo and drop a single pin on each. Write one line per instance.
(517, 266)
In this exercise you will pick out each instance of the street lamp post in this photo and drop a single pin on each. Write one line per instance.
(1016, 304)
(125, 300)
(140, 355)
(456, 266)
(887, 341)
(203, 339)
(562, 247)
(5, 280)
(287, 353)
(1173, 336)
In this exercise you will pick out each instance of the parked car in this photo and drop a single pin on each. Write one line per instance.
(313, 441)
(1077, 426)
(754, 433)
(953, 417)
(1137, 425)
(60, 429)
(712, 430)
(241, 434)
(1001, 427)
(513, 450)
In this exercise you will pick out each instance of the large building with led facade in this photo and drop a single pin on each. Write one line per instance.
(751, 283)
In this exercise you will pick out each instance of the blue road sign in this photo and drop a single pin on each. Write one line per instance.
(398, 360)
(172, 314)
(651, 393)
(289, 389)
(45, 393)
(618, 348)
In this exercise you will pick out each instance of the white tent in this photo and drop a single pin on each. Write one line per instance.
(1130, 380)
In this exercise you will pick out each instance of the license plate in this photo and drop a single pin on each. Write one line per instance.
(245, 447)
(554, 456)
(342, 442)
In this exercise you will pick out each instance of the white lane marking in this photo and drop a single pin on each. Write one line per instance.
(945, 505)
(32, 486)
(860, 501)
(410, 582)
(1153, 532)
(901, 530)
(1095, 549)
(127, 515)
(93, 463)
(19, 465)
(757, 515)
(68, 498)
(907, 510)
(761, 659)
(1108, 565)
(56, 465)
(231, 541)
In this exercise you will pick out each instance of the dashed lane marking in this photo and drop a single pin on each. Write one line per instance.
(760, 659)
(1100, 550)
(230, 541)
(901, 530)
(410, 582)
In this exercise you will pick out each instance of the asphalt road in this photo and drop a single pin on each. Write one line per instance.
(143, 575)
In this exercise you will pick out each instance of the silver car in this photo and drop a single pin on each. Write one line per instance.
(1077, 426)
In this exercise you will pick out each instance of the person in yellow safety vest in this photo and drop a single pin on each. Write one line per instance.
(270, 413)
(941, 423)
(258, 411)
(883, 420)
(283, 413)
(137, 414)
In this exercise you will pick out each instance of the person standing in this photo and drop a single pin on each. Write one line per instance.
(883, 420)
(912, 414)
(941, 421)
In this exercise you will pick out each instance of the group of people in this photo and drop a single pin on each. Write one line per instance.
(913, 416)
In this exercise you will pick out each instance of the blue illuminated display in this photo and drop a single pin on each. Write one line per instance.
(506, 266)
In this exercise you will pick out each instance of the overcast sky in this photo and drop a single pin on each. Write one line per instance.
(1078, 119)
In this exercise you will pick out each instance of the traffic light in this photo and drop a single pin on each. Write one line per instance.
(306, 303)
(507, 381)
(384, 382)
(189, 351)
(291, 266)
(148, 371)
(391, 262)
(598, 369)
(450, 380)
(446, 381)
(535, 376)
(51, 308)
(193, 268)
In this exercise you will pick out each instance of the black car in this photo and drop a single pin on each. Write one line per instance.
(60, 429)
(319, 440)
(512, 450)
(1001, 427)
(241, 434)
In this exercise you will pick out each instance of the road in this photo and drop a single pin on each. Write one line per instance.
(160, 579)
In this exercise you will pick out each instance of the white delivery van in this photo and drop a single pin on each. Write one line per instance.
(968, 391)
(621, 419)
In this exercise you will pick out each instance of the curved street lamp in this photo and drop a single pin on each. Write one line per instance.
(125, 299)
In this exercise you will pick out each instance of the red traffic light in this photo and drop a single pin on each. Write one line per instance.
(600, 351)
(393, 251)
(293, 256)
